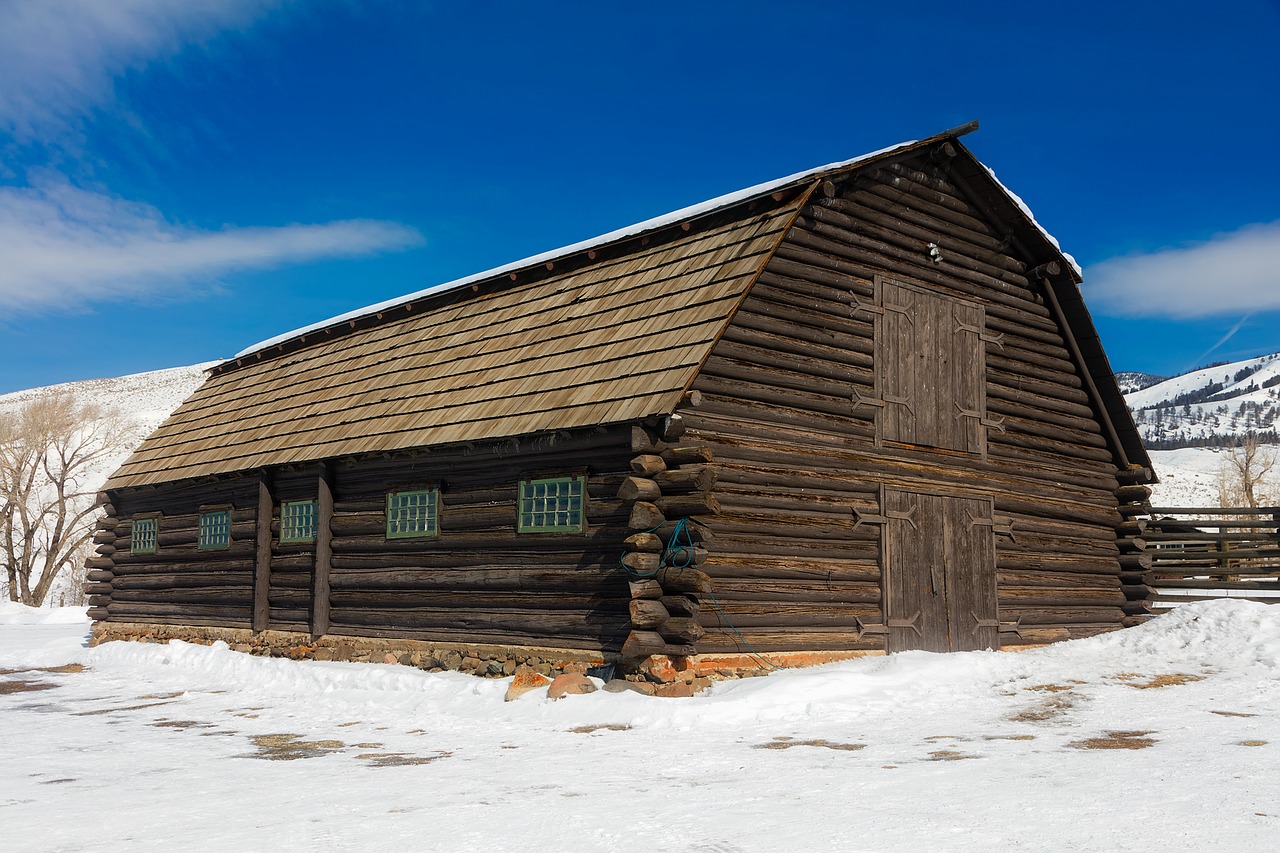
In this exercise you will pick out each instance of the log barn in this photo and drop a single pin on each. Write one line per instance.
(857, 410)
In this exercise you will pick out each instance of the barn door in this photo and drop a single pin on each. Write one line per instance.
(930, 369)
(939, 572)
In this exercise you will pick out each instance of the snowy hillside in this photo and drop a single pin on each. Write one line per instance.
(1131, 381)
(1208, 406)
(145, 398)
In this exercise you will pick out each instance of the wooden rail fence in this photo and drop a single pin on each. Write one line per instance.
(1200, 553)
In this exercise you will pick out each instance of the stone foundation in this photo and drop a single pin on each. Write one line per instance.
(656, 675)
(480, 659)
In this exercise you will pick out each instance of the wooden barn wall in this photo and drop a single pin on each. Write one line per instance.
(476, 581)
(181, 584)
(790, 410)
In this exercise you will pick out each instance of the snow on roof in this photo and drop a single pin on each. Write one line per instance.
(656, 222)
(1026, 211)
(662, 221)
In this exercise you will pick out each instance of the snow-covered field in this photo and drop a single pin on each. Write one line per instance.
(1188, 476)
(1163, 737)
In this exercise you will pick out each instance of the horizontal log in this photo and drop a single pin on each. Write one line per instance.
(676, 579)
(1133, 562)
(648, 464)
(1136, 592)
(141, 611)
(1133, 494)
(681, 605)
(745, 615)
(687, 454)
(566, 578)
(915, 211)
(722, 640)
(98, 614)
(645, 588)
(649, 542)
(184, 579)
(241, 596)
(647, 613)
(104, 537)
(679, 630)
(639, 489)
(645, 516)
(684, 506)
(1131, 527)
(519, 624)
(100, 575)
(472, 601)
(642, 563)
(642, 644)
(698, 478)
(1033, 596)
(1040, 615)
(644, 440)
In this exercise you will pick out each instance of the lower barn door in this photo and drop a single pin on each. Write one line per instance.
(939, 573)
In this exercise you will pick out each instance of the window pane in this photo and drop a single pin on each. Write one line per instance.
(298, 521)
(551, 506)
(215, 529)
(142, 536)
(412, 514)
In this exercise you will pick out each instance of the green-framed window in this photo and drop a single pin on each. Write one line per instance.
(412, 514)
(215, 530)
(143, 537)
(298, 522)
(552, 506)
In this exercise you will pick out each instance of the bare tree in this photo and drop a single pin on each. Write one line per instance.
(1245, 478)
(54, 453)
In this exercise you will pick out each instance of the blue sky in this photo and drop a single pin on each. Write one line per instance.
(180, 180)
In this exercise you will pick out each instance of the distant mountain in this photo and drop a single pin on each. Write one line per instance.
(1209, 406)
(1131, 381)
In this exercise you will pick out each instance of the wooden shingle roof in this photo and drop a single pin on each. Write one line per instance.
(617, 340)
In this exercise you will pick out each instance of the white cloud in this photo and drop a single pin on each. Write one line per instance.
(62, 246)
(1235, 273)
(59, 58)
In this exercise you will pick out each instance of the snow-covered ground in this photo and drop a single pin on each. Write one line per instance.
(1163, 737)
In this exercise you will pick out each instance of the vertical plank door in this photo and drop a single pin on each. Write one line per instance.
(939, 572)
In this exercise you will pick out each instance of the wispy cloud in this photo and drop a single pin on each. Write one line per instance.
(60, 58)
(62, 245)
(1232, 273)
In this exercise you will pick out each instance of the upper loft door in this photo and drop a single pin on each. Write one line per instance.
(931, 363)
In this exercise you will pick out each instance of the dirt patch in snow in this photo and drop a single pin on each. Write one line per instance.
(23, 686)
(604, 727)
(788, 743)
(397, 759)
(1170, 680)
(287, 747)
(1048, 710)
(1253, 743)
(1116, 740)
